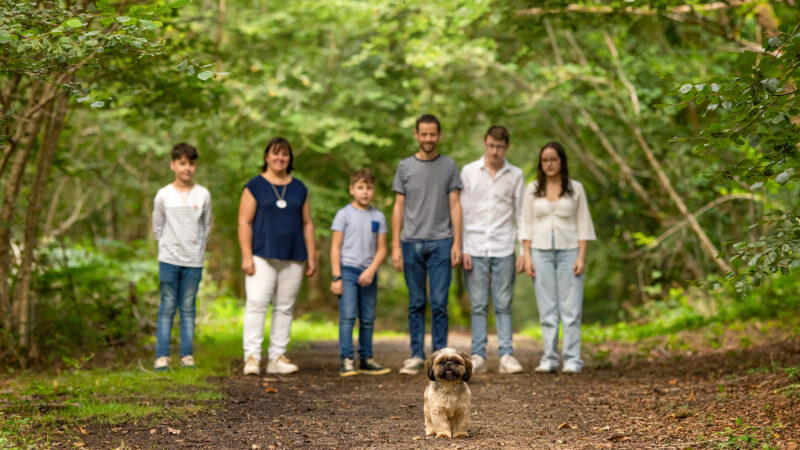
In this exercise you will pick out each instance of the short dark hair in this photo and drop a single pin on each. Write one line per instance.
(279, 143)
(184, 150)
(566, 187)
(364, 175)
(498, 132)
(428, 118)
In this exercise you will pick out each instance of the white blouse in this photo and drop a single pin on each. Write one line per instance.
(567, 219)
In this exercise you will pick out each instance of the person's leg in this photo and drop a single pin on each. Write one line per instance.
(570, 305)
(367, 300)
(414, 273)
(439, 274)
(477, 284)
(168, 283)
(290, 278)
(502, 283)
(190, 281)
(348, 306)
(547, 301)
(259, 288)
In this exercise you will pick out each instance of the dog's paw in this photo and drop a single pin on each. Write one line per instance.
(429, 432)
(443, 434)
(461, 434)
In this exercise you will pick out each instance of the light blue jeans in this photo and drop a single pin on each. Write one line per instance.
(178, 293)
(495, 277)
(559, 296)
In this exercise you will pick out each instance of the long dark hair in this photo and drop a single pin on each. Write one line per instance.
(566, 187)
(279, 143)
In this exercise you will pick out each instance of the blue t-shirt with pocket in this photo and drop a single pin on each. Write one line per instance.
(278, 232)
(360, 229)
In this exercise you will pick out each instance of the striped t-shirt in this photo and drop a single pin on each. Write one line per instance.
(181, 223)
(426, 186)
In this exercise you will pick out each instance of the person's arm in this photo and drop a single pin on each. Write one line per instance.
(159, 217)
(580, 262)
(247, 211)
(397, 224)
(526, 230)
(206, 219)
(466, 198)
(527, 261)
(336, 261)
(366, 277)
(455, 219)
(519, 194)
(308, 234)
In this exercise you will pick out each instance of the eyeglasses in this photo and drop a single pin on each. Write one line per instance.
(496, 147)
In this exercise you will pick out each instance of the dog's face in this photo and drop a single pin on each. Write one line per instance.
(449, 364)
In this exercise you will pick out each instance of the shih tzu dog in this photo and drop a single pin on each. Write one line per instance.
(447, 397)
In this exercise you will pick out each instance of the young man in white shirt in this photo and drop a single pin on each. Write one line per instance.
(491, 202)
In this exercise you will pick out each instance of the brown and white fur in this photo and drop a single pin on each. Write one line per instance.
(447, 397)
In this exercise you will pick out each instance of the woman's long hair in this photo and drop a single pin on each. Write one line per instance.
(566, 188)
(279, 143)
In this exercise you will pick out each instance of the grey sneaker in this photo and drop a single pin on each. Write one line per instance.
(478, 363)
(281, 365)
(370, 367)
(251, 366)
(544, 368)
(412, 366)
(509, 364)
(347, 368)
(187, 362)
(161, 364)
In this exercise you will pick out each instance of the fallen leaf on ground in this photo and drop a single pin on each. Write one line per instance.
(173, 431)
(116, 429)
(270, 390)
(416, 438)
(78, 444)
(673, 381)
(255, 447)
(605, 428)
(691, 396)
(83, 430)
(395, 417)
(269, 379)
(565, 425)
(152, 431)
(618, 438)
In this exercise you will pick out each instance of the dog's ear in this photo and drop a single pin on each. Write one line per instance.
(429, 366)
(467, 368)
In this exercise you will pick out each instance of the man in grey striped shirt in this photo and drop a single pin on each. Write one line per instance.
(428, 211)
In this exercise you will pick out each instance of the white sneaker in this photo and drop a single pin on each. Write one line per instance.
(569, 370)
(161, 364)
(509, 364)
(478, 363)
(412, 366)
(281, 365)
(251, 366)
(544, 368)
(187, 362)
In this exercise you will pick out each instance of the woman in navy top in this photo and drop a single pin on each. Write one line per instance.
(276, 236)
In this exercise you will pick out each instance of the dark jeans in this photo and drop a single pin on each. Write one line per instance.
(431, 259)
(178, 292)
(356, 301)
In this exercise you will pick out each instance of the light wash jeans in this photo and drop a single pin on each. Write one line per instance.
(273, 278)
(356, 301)
(493, 276)
(431, 258)
(178, 293)
(559, 296)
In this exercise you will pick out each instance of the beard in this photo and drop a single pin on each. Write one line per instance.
(428, 147)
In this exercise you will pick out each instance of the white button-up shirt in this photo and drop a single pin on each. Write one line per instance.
(491, 209)
(567, 219)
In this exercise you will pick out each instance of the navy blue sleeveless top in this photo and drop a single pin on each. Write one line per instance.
(278, 233)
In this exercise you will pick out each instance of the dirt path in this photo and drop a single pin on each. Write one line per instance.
(658, 400)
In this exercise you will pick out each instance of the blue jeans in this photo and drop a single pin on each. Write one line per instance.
(493, 276)
(178, 292)
(431, 259)
(559, 297)
(356, 301)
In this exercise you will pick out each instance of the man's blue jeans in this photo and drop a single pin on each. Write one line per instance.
(493, 276)
(178, 292)
(431, 259)
(356, 301)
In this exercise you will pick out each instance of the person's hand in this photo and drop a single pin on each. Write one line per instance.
(520, 263)
(466, 262)
(455, 255)
(529, 268)
(397, 258)
(366, 277)
(311, 267)
(579, 267)
(336, 287)
(248, 266)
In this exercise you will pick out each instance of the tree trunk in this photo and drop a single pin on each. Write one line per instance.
(44, 160)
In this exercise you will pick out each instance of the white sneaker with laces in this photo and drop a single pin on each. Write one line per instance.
(161, 364)
(544, 368)
(187, 362)
(509, 364)
(251, 366)
(478, 363)
(412, 366)
(281, 365)
(571, 370)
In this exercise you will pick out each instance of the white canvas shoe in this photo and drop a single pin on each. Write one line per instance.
(412, 366)
(161, 364)
(251, 366)
(509, 364)
(478, 363)
(281, 365)
(544, 368)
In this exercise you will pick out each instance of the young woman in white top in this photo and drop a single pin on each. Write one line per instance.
(556, 227)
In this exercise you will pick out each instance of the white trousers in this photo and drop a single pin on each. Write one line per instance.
(276, 279)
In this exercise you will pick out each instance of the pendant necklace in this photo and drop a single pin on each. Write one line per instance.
(281, 203)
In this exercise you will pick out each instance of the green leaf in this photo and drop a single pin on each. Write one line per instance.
(73, 23)
(685, 88)
(178, 3)
(205, 75)
(783, 177)
(183, 64)
(98, 104)
(123, 19)
(771, 85)
(83, 99)
(222, 74)
(6, 37)
(754, 140)
(714, 87)
(757, 185)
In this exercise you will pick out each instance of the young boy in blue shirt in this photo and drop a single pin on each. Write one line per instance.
(181, 223)
(358, 248)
